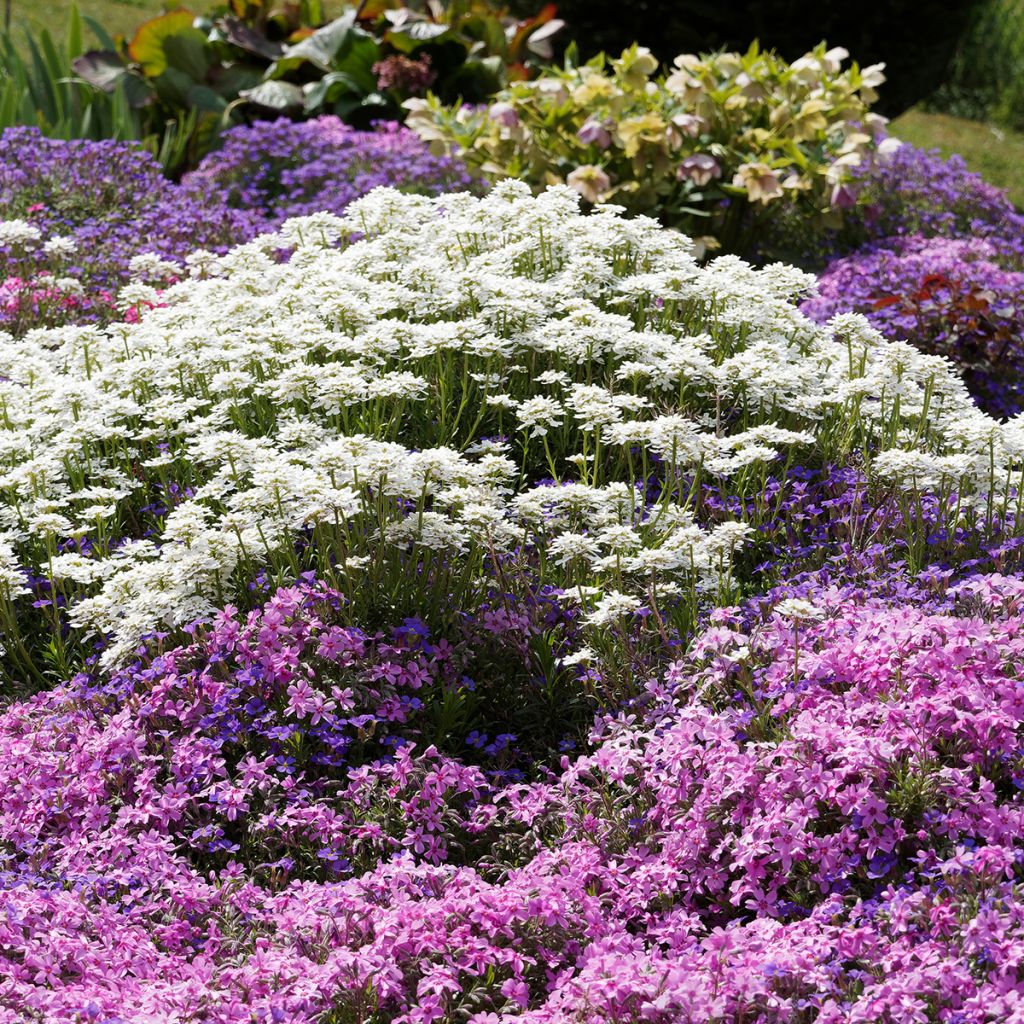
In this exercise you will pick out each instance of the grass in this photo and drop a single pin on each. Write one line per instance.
(116, 16)
(997, 154)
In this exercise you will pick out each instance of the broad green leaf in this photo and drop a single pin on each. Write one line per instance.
(202, 97)
(414, 34)
(106, 71)
(274, 95)
(319, 49)
(149, 46)
(330, 88)
(189, 52)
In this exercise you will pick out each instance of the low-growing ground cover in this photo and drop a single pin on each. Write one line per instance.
(84, 218)
(461, 601)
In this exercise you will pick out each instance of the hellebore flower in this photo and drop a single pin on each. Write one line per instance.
(589, 181)
(760, 181)
(699, 168)
(594, 133)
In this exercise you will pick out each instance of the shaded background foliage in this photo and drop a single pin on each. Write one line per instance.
(916, 40)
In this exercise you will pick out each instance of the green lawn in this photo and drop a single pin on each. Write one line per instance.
(995, 153)
(116, 16)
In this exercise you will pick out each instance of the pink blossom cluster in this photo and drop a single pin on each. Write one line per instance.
(814, 816)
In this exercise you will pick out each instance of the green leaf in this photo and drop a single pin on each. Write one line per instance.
(173, 86)
(232, 80)
(188, 52)
(274, 95)
(202, 97)
(73, 45)
(102, 35)
(101, 68)
(415, 34)
(149, 47)
(319, 49)
(330, 88)
(357, 57)
(237, 33)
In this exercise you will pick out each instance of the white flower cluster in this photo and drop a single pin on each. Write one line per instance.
(346, 396)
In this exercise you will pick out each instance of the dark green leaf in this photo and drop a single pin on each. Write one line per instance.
(245, 38)
(202, 97)
(107, 72)
(188, 52)
(414, 34)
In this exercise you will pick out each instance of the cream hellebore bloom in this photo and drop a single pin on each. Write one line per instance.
(589, 181)
(760, 182)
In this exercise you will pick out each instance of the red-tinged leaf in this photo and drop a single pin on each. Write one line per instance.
(889, 300)
(149, 47)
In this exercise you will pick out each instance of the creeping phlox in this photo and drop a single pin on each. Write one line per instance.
(822, 828)
(457, 376)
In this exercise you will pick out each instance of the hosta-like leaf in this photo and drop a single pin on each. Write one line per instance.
(274, 95)
(149, 46)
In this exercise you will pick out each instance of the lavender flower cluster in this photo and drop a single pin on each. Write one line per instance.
(950, 297)
(913, 191)
(938, 263)
(281, 169)
(108, 202)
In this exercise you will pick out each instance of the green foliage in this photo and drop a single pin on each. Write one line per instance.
(250, 59)
(714, 148)
(39, 86)
(915, 39)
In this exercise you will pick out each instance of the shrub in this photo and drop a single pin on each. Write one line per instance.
(249, 60)
(915, 39)
(435, 396)
(715, 148)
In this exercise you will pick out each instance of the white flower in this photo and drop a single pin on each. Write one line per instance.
(18, 232)
(60, 245)
(538, 415)
(611, 608)
(799, 610)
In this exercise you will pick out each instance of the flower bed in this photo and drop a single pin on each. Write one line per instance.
(816, 818)
(87, 218)
(463, 608)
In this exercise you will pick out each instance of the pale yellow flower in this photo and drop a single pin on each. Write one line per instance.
(761, 183)
(589, 181)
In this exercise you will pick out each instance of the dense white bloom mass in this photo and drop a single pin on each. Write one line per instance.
(349, 393)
